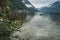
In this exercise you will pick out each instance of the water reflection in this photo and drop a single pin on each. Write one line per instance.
(39, 28)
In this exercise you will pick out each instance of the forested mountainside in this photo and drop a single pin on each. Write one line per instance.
(17, 4)
(12, 16)
(23, 4)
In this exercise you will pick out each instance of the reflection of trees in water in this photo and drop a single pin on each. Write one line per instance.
(54, 16)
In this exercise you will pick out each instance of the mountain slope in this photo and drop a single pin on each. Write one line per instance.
(27, 2)
(17, 4)
(23, 4)
(55, 7)
(29, 6)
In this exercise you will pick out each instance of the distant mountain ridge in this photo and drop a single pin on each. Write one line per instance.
(55, 7)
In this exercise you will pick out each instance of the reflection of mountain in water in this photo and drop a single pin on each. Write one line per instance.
(53, 11)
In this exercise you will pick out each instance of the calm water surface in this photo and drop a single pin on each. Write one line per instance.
(39, 28)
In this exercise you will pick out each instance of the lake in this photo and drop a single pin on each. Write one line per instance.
(39, 27)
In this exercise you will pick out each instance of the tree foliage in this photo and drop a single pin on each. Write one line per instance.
(8, 26)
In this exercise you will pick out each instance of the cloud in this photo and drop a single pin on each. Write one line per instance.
(41, 3)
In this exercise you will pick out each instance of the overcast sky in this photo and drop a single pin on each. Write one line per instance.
(41, 3)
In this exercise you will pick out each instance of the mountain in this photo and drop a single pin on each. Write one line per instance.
(27, 3)
(17, 5)
(55, 8)
(29, 6)
(23, 4)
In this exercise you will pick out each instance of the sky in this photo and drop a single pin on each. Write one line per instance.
(41, 3)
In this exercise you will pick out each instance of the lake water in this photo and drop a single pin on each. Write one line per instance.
(40, 27)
